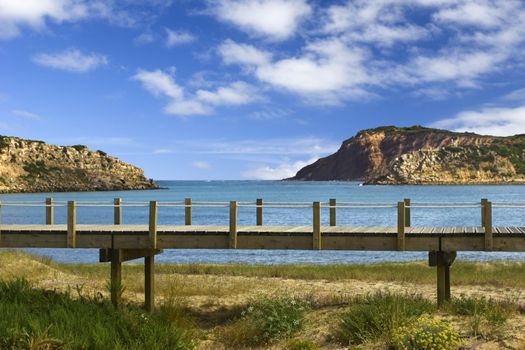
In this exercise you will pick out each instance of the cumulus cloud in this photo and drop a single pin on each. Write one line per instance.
(273, 19)
(201, 102)
(174, 38)
(499, 121)
(201, 165)
(281, 171)
(71, 60)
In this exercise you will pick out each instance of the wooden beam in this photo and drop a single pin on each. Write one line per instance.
(105, 255)
(317, 244)
(233, 225)
(187, 212)
(117, 211)
(49, 211)
(153, 224)
(116, 277)
(489, 242)
(149, 283)
(71, 224)
(401, 224)
(407, 212)
(333, 211)
(483, 204)
(259, 211)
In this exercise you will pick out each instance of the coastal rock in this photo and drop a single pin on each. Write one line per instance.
(418, 155)
(34, 166)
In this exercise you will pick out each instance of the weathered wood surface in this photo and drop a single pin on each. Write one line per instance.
(263, 237)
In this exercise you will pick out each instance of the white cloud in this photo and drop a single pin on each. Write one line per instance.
(201, 165)
(273, 19)
(25, 115)
(516, 95)
(281, 171)
(174, 38)
(327, 70)
(499, 121)
(144, 38)
(71, 60)
(160, 83)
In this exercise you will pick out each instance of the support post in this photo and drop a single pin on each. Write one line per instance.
(233, 225)
(71, 224)
(488, 226)
(116, 277)
(317, 244)
(259, 211)
(401, 224)
(483, 204)
(441, 279)
(117, 211)
(407, 212)
(49, 211)
(187, 211)
(153, 224)
(149, 283)
(333, 211)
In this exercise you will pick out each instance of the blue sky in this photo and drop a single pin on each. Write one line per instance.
(254, 89)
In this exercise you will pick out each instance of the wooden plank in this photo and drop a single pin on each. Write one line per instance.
(117, 211)
(333, 211)
(401, 224)
(259, 211)
(233, 225)
(316, 227)
(152, 231)
(71, 224)
(187, 212)
(49, 211)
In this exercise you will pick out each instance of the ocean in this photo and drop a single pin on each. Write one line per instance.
(279, 191)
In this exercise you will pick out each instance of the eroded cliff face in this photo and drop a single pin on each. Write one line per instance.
(33, 166)
(417, 155)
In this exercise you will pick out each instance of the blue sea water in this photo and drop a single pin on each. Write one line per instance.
(279, 191)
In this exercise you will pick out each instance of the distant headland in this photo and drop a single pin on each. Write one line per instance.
(422, 156)
(34, 166)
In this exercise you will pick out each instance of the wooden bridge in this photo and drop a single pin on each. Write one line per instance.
(119, 242)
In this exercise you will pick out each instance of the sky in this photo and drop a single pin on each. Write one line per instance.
(254, 89)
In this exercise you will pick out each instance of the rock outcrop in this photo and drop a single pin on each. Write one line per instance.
(34, 166)
(418, 155)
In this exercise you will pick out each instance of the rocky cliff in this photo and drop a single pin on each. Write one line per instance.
(418, 155)
(33, 166)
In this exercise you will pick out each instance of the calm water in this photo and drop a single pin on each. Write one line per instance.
(280, 192)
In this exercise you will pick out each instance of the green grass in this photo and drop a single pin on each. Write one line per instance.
(378, 315)
(37, 319)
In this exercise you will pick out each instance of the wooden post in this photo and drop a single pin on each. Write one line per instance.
(317, 244)
(488, 226)
(407, 212)
(117, 211)
(116, 277)
(49, 211)
(483, 204)
(441, 278)
(259, 211)
(401, 224)
(149, 282)
(187, 211)
(333, 211)
(233, 225)
(71, 224)
(153, 224)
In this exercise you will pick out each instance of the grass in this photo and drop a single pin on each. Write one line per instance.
(377, 316)
(36, 319)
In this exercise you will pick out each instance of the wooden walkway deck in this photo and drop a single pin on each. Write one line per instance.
(511, 239)
(120, 242)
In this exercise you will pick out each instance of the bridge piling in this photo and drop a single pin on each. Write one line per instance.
(232, 239)
(71, 224)
(259, 212)
(401, 224)
(488, 227)
(317, 244)
(187, 211)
